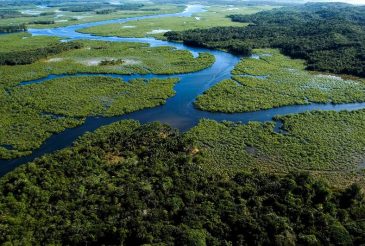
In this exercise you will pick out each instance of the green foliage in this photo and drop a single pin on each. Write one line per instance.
(99, 8)
(214, 16)
(319, 141)
(212, 38)
(23, 128)
(9, 13)
(28, 13)
(13, 28)
(91, 96)
(24, 41)
(128, 184)
(284, 79)
(137, 58)
(130, 6)
(111, 62)
(329, 36)
(82, 8)
(42, 22)
(31, 56)
(105, 11)
(47, 13)
(32, 113)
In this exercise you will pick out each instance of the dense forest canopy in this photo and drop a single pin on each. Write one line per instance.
(132, 184)
(13, 28)
(128, 184)
(9, 13)
(329, 36)
(33, 55)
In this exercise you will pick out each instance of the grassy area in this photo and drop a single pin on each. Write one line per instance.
(130, 58)
(66, 18)
(215, 16)
(329, 144)
(32, 113)
(23, 128)
(91, 96)
(284, 79)
(24, 41)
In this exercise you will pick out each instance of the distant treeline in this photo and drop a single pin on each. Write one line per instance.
(67, 5)
(13, 28)
(102, 8)
(82, 8)
(30, 56)
(228, 2)
(105, 11)
(50, 3)
(129, 6)
(6, 14)
(329, 36)
(213, 38)
(42, 22)
(9, 13)
(46, 13)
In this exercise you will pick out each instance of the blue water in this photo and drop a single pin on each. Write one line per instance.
(178, 111)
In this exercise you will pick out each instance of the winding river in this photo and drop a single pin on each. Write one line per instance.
(178, 111)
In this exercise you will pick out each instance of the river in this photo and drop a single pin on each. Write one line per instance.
(179, 110)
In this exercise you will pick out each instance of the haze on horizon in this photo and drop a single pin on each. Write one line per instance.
(344, 1)
(359, 2)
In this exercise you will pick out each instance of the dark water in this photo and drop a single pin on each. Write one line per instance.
(178, 111)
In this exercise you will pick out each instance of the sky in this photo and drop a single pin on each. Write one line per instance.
(351, 1)
(346, 1)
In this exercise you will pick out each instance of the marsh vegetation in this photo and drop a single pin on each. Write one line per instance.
(137, 59)
(28, 112)
(220, 183)
(32, 113)
(131, 184)
(54, 13)
(215, 16)
(271, 79)
(329, 144)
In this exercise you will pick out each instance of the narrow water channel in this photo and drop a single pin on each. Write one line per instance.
(178, 111)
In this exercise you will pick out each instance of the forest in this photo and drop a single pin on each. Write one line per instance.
(30, 56)
(13, 28)
(128, 184)
(42, 22)
(9, 13)
(329, 36)
(213, 16)
(297, 179)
